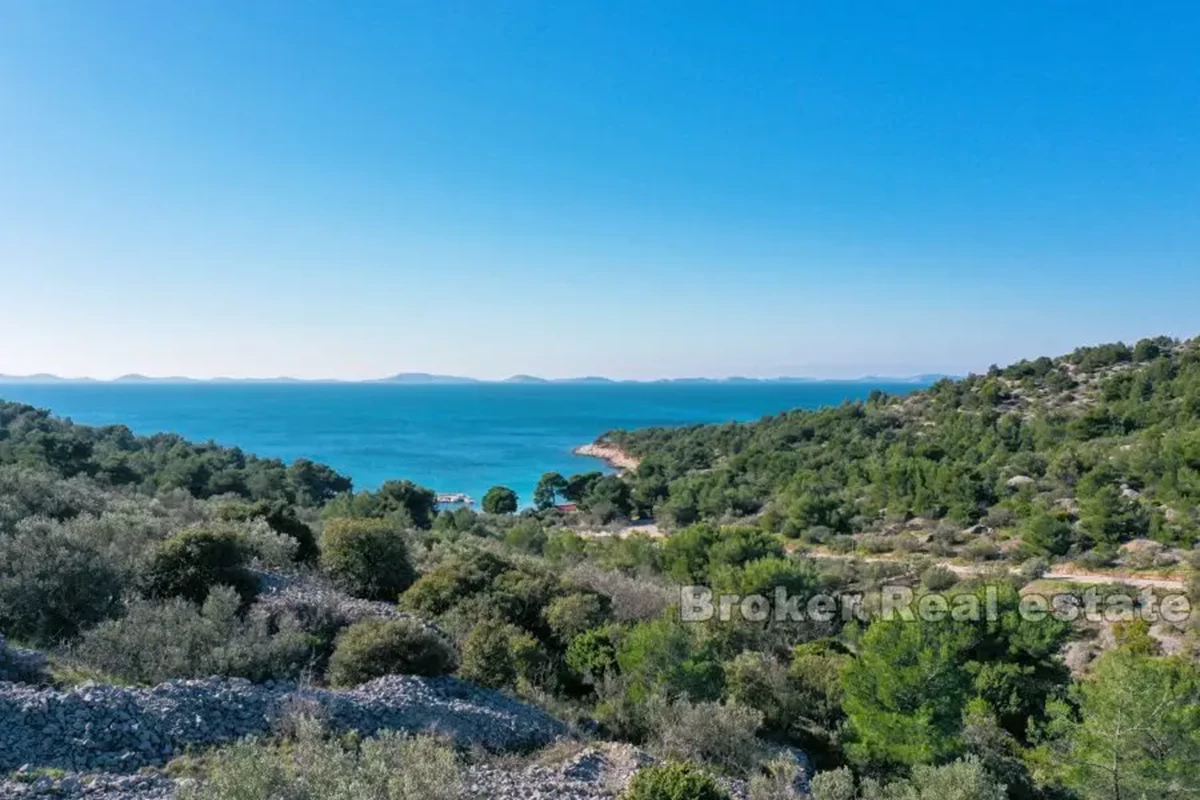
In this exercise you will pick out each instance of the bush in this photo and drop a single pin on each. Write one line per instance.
(876, 544)
(777, 781)
(815, 679)
(190, 563)
(1046, 534)
(965, 779)
(592, 653)
(756, 680)
(388, 767)
(366, 558)
(841, 544)
(459, 576)
(569, 616)
(674, 781)
(373, 648)
(669, 656)
(1096, 559)
(1034, 568)
(497, 654)
(403, 502)
(159, 641)
(267, 548)
(938, 578)
(52, 586)
(720, 735)
(282, 520)
(983, 550)
(836, 784)
(527, 536)
(632, 598)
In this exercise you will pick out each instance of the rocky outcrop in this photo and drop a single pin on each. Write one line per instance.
(609, 453)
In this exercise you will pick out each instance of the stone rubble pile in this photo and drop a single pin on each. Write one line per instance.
(595, 773)
(19, 665)
(119, 730)
(311, 598)
(93, 787)
(600, 772)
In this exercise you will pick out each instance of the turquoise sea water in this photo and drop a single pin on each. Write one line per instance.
(452, 438)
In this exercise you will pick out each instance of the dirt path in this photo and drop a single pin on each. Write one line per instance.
(1065, 574)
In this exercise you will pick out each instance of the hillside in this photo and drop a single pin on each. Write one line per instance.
(1106, 439)
(161, 599)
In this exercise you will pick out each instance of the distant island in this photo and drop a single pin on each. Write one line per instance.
(432, 379)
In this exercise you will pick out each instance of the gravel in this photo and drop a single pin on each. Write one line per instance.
(119, 730)
(599, 772)
(93, 787)
(594, 773)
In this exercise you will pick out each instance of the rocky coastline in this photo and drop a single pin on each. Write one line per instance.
(609, 453)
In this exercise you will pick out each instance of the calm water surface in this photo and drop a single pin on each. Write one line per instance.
(453, 438)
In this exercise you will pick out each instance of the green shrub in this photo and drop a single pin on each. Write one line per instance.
(877, 544)
(815, 677)
(1047, 535)
(403, 502)
(841, 544)
(52, 586)
(569, 616)
(457, 577)
(592, 653)
(834, 784)
(669, 656)
(710, 733)
(313, 767)
(527, 536)
(1033, 568)
(983, 550)
(758, 681)
(160, 640)
(777, 781)
(965, 779)
(373, 648)
(281, 518)
(674, 781)
(190, 563)
(938, 578)
(366, 557)
(497, 654)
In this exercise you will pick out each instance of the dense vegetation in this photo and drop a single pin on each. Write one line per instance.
(138, 559)
(1107, 438)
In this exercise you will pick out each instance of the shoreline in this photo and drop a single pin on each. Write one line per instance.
(610, 454)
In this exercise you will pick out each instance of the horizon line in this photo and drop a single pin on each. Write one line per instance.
(427, 379)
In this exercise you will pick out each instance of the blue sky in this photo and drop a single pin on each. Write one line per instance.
(623, 188)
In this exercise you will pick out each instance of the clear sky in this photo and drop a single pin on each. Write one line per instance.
(635, 189)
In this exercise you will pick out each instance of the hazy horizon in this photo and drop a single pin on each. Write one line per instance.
(418, 377)
(323, 191)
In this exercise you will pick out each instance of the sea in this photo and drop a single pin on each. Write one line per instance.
(451, 438)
